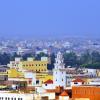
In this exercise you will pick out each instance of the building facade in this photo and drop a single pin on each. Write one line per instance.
(86, 92)
(30, 64)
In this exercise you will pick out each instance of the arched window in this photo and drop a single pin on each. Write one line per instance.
(5, 98)
(30, 64)
(14, 98)
(8, 98)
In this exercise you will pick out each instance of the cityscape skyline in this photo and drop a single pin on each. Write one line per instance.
(42, 19)
(49, 50)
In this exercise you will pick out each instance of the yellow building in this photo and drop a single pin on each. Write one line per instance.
(30, 64)
(13, 73)
(42, 77)
(37, 66)
(19, 67)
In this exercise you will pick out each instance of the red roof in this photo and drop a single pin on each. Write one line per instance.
(48, 82)
(78, 80)
(50, 90)
(64, 93)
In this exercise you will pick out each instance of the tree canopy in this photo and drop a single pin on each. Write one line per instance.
(87, 59)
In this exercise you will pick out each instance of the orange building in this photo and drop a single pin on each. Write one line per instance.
(86, 92)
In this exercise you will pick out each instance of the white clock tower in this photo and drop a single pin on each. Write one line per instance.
(59, 73)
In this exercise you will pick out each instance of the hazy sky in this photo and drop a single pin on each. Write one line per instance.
(53, 18)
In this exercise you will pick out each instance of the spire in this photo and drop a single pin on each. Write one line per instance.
(59, 55)
(59, 64)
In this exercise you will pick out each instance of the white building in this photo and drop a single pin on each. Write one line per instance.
(32, 76)
(95, 82)
(7, 95)
(41, 92)
(48, 84)
(77, 82)
(15, 64)
(44, 58)
(92, 72)
(59, 73)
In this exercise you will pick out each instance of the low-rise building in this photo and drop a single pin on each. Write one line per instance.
(77, 82)
(86, 92)
(8, 95)
(3, 73)
(30, 64)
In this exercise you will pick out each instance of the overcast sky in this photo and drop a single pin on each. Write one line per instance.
(52, 18)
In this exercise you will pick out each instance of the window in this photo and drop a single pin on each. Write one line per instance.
(14, 98)
(37, 81)
(11, 98)
(5, 78)
(19, 98)
(44, 64)
(44, 69)
(41, 69)
(30, 82)
(6, 98)
(75, 83)
(45, 84)
(23, 65)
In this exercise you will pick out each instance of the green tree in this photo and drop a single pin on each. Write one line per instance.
(52, 58)
(70, 59)
(25, 56)
(86, 58)
(95, 57)
(41, 54)
(13, 56)
(4, 58)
